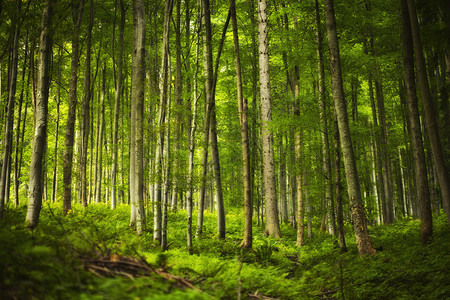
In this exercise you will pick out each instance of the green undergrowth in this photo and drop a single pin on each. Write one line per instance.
(47, 263)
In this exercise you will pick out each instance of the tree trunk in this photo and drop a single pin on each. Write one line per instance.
(99, 141)
(270, 194)
(40, 132)
(70, 127)
(359, 217)
(326, 162)
(416, 133)
(178, 124)
(300, 198)
(8, 139)
(193, 128)
(137, 112)
(338, 188)
(117, 100)
(242, 106)
(430, 115)
(19, 133)
(167, 165)
(208, 73)
(163, 85)
(86, 109)
(58, 102)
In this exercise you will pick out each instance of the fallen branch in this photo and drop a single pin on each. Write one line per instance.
(130, 267)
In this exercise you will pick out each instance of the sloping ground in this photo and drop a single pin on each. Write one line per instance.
(93, 254)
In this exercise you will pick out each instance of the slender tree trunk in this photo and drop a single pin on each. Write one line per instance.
(86, 109)
(379, 179)
(338, 188)
(384, 154)
(326, 162)
(137, 112)
(282, 181)
(430, 115)
(163, 87)
(40, 132)
(208, 70)
(58, 102)
(8, 140)
(300, 198)
(167, 165)
(70, 127)
(19, 133)
(242, 106)
(359, 217)
(417, 144)
(179, 102)
(99, 142)
(193, 128)
(117, 101)
(272, 223)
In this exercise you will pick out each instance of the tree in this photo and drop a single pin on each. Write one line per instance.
(99, 138)
(270, 194)
(137, 114)
(117, 100)
(243, 110)
(354, 191)
(163, 88)
(40, 132)
(86, 115)
(6, 167)
(326, 160)
(193, 128)
(77, 12)
(430, 114)
(420, 165)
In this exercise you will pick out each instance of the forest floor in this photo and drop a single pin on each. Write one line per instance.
(93, 254)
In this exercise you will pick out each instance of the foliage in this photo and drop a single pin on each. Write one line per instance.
(46, 263)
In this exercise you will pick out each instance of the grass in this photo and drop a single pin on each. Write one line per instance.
(47, 263)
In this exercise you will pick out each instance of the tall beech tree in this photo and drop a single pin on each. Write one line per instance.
(137, 114)
(77, 13)
(243, 120)
(430, 117)
(354, 190)
(270, 194)
(117, 100)
(40, 125)
(8, 138)
(162, 122)
(86, 111)
(421, 175)
(326, 160)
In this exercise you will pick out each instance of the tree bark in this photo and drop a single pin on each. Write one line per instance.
(137, 112)
(242, 106)
(430, 112)
(99, 141)
(163, 87)
(326, 162)
(58, 102)
(338, 188)
(86, 111)
(421, 177)
(354, 190)
(270, 194)
(19, 132)
(70, 127)
(193, 128)
(8, 140)
(117, 101)
(40, 132)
